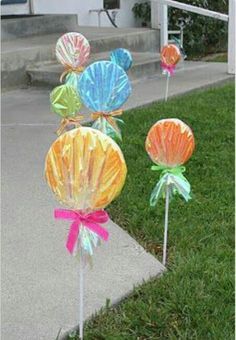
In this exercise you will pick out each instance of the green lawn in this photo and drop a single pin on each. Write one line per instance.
(221, 57)
(214, 58)
(194, 298)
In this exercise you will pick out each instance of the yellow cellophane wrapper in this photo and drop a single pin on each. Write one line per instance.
(85, 169)
(170, 54)
(170, 142)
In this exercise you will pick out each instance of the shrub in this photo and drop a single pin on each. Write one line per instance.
(142, 11)
(202, 35)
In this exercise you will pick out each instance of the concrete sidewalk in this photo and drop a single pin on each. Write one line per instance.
(39, 279)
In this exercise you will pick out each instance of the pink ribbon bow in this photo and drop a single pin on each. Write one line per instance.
(91, 221)
(168, 68)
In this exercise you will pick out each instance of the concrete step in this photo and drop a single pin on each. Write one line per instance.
(144, 64)
(135, 39)
(36, 25)
(19, 54)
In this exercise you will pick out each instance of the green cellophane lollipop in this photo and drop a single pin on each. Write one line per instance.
(66, 103)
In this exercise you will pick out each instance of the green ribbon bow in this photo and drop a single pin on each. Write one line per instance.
(174, 180)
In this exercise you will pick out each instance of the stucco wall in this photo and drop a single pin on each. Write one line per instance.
(125, 17)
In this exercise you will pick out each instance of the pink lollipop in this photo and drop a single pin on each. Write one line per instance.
(72, 51)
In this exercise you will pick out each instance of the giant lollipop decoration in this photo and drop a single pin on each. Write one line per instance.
(122, 57)
(86, 170)
(170, 143)
(66, 103)
(72, 51)
(170, 56)
(103, 88)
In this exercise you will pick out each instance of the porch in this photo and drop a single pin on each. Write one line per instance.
(28, 56)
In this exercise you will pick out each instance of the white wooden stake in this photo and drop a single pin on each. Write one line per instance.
(167, 87)
(166, 226)
(81, 296)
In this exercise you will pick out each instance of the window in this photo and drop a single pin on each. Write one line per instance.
(9, 2)
(111, 4)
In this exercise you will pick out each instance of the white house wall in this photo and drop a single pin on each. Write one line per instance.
(55, 6)
(125, 16)
(16, 9)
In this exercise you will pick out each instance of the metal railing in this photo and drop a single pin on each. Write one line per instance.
(160, 20)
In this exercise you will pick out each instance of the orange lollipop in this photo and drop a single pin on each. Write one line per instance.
(170, 55)
(170, 142)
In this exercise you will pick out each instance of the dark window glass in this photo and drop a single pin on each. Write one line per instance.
(111, 4)
(9, 2)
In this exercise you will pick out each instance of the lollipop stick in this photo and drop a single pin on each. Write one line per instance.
(81, 312)
(167, 87)
(166, 226)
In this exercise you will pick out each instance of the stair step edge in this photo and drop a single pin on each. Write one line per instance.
(53, 66)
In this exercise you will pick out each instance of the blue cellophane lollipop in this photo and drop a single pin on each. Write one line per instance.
(122, 57)
(104, 87)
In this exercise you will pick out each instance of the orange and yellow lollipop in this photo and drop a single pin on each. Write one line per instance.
(86, 170)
